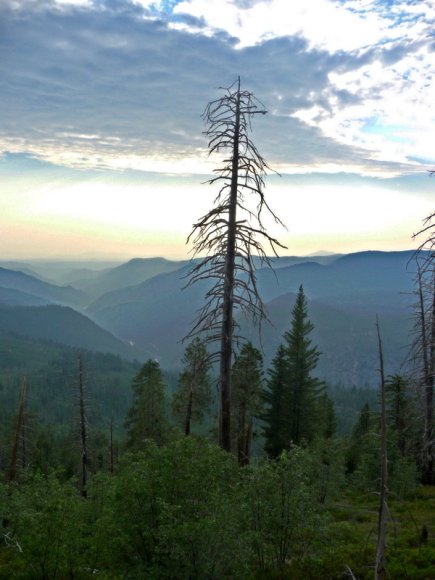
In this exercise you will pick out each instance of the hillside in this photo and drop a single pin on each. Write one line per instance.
(65, 295)
(52, 375)
(344, 297)
(63, 325)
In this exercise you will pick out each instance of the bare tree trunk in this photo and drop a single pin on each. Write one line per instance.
(428, 475)
(428, 359)
(380, 569)
(83, 435)
(188, 413)
(111, 445)
(248, 440)
(241, 433)
(227, 306)
(18, 432)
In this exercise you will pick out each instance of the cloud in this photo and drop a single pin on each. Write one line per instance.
(101, 83)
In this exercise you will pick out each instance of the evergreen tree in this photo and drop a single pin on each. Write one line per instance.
(146, 417)
(193, 398)
(327, 420)
(246, 377)
(359, 434)
(303, 389)
(274, 416)
(293, 395)
(399, 409)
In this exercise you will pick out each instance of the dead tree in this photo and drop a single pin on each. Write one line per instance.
(231, 233)
(83, 430)
(18, 433)
(422, 356)
(380, 569)
(111, 448)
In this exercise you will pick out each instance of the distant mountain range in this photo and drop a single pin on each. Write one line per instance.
(140, 309)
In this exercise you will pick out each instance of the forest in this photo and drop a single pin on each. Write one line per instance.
(235, 465)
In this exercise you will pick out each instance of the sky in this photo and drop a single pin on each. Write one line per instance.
(102, 145)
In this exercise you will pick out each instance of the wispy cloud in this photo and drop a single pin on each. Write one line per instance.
(99, 83)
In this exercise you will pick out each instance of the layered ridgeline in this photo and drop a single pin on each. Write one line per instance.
(147, 309)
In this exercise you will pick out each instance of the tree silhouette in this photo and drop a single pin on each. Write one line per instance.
(231, 234)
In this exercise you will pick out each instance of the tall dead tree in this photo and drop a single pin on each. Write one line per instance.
(19, 431)
(83, 430)
(380, 568)
(231, 233)
(422, 356)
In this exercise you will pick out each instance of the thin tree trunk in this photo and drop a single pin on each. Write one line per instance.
(380, 569)
(111, 446)
(248, 440)
(227, 307)
(18, 432)
(188, 412)
(428, 353)
(428, 476)
(83, 429)
(241, 434)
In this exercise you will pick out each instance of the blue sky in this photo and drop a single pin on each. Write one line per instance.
(101, 145)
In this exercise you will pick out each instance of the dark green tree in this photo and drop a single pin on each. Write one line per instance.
(293, 394)
(400, 413)
(327, 426)
(274, 414)
(246, 377)
(193, 398)
(146, 418)
(358, 437)
(304, 390)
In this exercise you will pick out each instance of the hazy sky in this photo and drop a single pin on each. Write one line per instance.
(102, 151)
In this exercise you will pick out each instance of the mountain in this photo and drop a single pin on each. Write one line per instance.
(65, 295)
(344, 294)
(131, 273)
(12, 297)
(62, 325)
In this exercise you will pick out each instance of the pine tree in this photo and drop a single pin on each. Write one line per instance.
(293, 395)
(146, 417)
(303, 389)
(399, 409)
(275, 414)
(193, 398)
(360, 431)
(246, 377)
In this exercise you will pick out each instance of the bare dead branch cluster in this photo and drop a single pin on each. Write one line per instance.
(210, 232)
(231, 233)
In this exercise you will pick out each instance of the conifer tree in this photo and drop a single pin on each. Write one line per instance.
(303, 389)
(275, 415)
(399, 409)
(293, 393)
(193, 398)
(359, 433)
(146, 417)
(246, 377)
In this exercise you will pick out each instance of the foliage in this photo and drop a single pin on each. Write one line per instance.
(46, 530)
(171, 513)
(281, 515)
